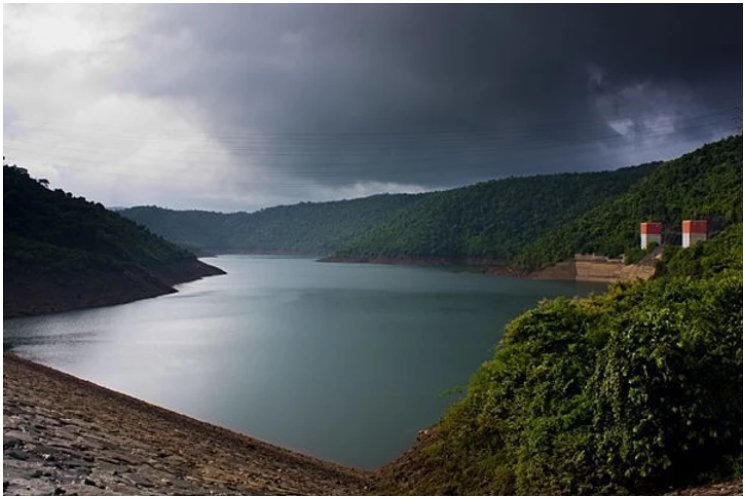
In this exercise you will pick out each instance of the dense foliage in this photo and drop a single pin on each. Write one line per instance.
(490, 221)
(632, 391)
(48, 230)
(305, 228)
(706, 183)
(704, 260)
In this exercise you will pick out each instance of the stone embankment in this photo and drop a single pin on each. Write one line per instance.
(582, 267)
(592, 268)
(65, 436)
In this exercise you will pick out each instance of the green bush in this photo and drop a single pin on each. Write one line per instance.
(702, 260)
(635, 390)
(668, 385)
(633, 255)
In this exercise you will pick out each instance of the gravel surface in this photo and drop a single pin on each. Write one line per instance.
(65, 436)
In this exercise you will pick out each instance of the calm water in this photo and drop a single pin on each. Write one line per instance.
(342, 361)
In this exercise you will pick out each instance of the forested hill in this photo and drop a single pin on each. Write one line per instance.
(63, 252)
(537, 221)
(637, 390)
(704, 184)
(486, 221)
(525, 222)
(490, 221)
(305, 228)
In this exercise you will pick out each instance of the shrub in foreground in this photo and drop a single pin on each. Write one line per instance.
(634, 390)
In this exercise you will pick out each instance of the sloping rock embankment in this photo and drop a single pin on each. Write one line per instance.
(64, 436)
(593, 268)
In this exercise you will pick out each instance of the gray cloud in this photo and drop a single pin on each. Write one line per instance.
(283, 103)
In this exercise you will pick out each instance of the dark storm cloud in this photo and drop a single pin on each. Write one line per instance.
(439, 94)
(443, 95)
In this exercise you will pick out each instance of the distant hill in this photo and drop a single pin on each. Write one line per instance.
(62, 252)
(488, 221)
(306, 228)
(529, 223)
(524, 223)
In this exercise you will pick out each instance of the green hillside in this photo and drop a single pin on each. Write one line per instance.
(58, 248)
(305, 228)
(487, 221)
(53, 219)
(706, 183)
(637, 390)
(200, 231)
(492, 220)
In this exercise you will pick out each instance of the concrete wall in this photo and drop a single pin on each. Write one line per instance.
(592, 268)
(691, 238)
(650, 238)
(566, 270)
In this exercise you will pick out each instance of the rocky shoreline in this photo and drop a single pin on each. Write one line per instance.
(580, 268)
(65, 436)
(474, 265)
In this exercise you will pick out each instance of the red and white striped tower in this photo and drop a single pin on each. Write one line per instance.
(694, 231)
(651, 232)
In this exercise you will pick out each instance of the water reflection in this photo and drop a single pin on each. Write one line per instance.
(342, 361)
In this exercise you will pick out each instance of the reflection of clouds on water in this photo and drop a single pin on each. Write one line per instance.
(77, 337)
(21, 336)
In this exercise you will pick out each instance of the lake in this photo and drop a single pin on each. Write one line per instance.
(345, 362)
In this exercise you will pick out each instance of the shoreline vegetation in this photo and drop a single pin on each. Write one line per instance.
(637, 390)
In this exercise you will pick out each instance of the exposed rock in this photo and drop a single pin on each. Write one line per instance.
(731, 488)
(17, 454)
(11, 442)
(593, 268)
(65, 436)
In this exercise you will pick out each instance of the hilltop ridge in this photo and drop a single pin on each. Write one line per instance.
(307, 228)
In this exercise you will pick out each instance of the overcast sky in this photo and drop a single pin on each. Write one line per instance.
(238, 107)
